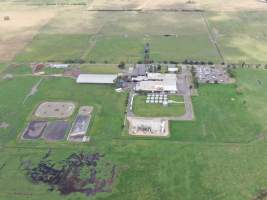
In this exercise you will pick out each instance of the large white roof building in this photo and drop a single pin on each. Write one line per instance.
(97, 78)
(157, 82)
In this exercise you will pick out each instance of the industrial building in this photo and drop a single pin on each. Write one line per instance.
(97, 78)
(156, 82)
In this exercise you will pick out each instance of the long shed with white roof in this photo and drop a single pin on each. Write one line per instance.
(97, 78)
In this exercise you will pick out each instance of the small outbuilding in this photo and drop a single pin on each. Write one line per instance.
(59, 66)
(172, 69)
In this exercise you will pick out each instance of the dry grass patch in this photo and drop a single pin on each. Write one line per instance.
(140, 4)
(76, 21)
(217, 5)
(230, 5)
(23, 25)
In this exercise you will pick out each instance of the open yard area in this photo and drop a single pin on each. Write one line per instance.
(143, 109)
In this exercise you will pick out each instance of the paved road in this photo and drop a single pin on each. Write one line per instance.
(129, 107)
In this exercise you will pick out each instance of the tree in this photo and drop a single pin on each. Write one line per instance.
(159, 67)
(121, 65)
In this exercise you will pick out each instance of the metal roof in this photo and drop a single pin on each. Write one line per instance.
(157, 86)
(97, 78)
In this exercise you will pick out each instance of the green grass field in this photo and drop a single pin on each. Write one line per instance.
(142, 109)
(120, 36)
(100, 68)
(115, 37)
(221, 115)
(241, 35)
(2, 67)
(16, 113)
(188, 165)
(56, 47)
(115, 49)
(221, 155)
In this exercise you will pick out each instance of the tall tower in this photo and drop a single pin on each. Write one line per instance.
(147, 53)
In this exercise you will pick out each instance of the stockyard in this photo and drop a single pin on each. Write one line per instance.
(213, 146)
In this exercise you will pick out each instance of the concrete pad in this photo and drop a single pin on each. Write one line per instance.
(148, 127)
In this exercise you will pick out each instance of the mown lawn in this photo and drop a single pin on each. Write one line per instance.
(143, 109)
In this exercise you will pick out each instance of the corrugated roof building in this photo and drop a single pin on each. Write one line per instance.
(97, 78)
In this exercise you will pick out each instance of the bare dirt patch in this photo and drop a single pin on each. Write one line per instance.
(4, 125)
(261, 196)
(23, 25)
(55, 110)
